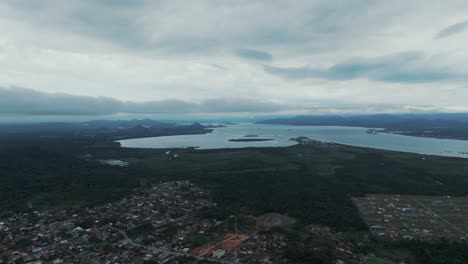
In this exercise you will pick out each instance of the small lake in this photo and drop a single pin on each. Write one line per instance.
(281, 135)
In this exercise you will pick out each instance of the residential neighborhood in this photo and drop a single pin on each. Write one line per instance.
(160, 224)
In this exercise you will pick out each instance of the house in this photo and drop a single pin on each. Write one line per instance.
(219, 253)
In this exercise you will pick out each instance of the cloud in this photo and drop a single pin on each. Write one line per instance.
(107, 21)
(402, 68)
(254, 54)
(185, 53)
(178, 27)
(30, 104)
(452, 30)
(21, 101)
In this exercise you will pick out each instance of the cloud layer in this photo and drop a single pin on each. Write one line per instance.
(254, 54)
(145, 56)
(20, 101)
(452, 29)
(403, 68)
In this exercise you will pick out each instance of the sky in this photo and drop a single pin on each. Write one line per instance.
(233, 58)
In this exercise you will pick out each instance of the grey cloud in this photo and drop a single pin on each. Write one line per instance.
(402, 68)
(21, 101)
(121, 48)
(29, 102)
(170, 106)
(254, 54)
(219, 67)
(121, 22)
(113, 21)
(118, 27)
(451, 30)
(372, 109)
(241, 105)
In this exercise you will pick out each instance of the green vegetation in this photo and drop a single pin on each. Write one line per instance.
(105, 245)
(375, 261)
(139, 230)
(307, 182)
(423, 252)
(202, 239)
(311, 183)
(443, 252)
(40, 178)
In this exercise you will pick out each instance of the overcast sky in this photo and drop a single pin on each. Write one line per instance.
(106, 57)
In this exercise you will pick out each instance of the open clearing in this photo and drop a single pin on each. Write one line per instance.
(415, 217)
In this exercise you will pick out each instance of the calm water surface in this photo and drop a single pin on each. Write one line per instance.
(282, 134)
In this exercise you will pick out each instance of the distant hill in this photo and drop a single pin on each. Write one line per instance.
(127, 123)
(426, 125)
(68, 135)
(90, 125)
(381, 120)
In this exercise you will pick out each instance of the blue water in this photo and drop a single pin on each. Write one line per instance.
(282, 134)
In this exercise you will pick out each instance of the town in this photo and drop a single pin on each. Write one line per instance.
(173, 222)
(161, 224)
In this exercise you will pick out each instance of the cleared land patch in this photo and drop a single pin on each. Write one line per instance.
(415, 217)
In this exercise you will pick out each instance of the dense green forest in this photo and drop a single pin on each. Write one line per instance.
(43, 178)
(70, 137)
(312, 183)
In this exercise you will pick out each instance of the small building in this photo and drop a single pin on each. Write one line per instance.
(219, 253)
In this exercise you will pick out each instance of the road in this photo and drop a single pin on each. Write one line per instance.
(177, 254)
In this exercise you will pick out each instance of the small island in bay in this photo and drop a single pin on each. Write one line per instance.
(250, 139)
